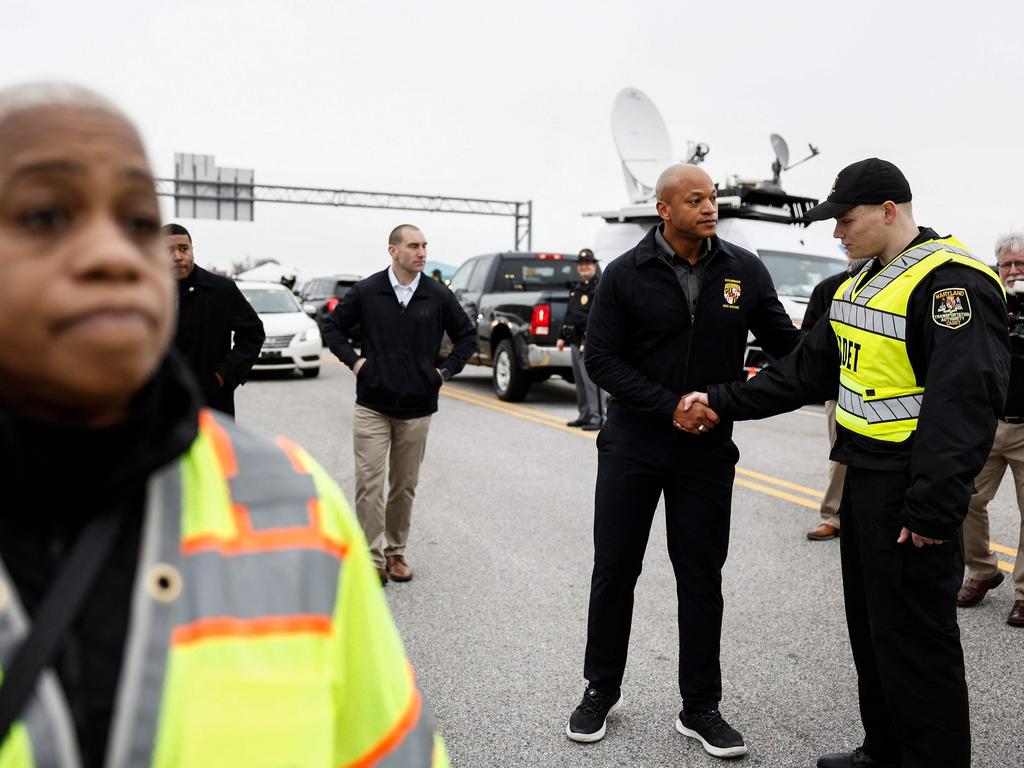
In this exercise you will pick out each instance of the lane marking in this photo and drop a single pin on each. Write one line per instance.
(535, 416)
(1001, 549)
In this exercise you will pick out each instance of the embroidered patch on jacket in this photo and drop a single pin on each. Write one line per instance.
(951, 308)
(731, 293)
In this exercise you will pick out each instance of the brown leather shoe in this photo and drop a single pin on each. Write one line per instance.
(1016, 617)
(973, 590)
(823, 532)
(398, 569)
(382, 572)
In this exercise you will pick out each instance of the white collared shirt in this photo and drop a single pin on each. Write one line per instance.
(403, 292)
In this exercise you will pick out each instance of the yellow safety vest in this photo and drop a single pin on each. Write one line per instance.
(879, 394)
(259, 633)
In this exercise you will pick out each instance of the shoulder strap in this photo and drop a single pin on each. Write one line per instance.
(58, 609)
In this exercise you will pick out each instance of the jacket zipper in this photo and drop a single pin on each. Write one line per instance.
(693, 320)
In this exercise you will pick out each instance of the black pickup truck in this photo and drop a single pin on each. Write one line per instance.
(517, 301)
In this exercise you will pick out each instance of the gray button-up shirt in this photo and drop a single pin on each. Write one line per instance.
(690, 276)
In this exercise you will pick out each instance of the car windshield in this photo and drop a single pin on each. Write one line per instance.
(530, 274)
(270, 301)
(796, 274)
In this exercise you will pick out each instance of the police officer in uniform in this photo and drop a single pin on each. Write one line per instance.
(915, 350)
(590, 398)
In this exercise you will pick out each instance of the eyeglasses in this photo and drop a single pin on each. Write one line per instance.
(1018, 265)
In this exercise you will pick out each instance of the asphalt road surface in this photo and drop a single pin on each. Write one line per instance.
(495, 618)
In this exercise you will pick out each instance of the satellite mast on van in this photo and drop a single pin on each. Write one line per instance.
(643, 144)
(782, 158)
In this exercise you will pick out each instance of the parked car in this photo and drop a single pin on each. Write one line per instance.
(293, 340)
(517, 301)
(323, 294)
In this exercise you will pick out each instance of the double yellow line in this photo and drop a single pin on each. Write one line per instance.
(746, 478)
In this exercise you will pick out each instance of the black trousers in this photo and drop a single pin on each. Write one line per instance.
(695, 475)
(901, 614)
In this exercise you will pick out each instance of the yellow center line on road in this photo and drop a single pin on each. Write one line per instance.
(811, 497)
(515, 410)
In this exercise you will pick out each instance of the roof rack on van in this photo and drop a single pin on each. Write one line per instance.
(734, 202)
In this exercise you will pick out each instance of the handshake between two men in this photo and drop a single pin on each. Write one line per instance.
(693, 414)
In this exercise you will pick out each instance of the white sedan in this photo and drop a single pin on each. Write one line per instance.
(293, 340)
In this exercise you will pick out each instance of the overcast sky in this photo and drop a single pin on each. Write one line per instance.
(513, 101)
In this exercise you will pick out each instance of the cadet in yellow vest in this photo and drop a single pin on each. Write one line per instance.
(918, 338)
(174, 591)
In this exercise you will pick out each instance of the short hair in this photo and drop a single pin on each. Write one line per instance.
(1012, 242)
(175, 229)
(397, 235)
(24, 96)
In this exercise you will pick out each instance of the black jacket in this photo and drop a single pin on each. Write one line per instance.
(210, 308)
(577, 310)
(56, 479)
(646, 350)
(401, 345)
(821, 299)
(964, 372)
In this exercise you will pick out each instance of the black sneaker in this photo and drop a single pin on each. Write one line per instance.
(586, 723)
(716, 736)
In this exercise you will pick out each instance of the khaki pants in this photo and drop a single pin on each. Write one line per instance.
(836, 474)
(1007, 450)
(399, 443)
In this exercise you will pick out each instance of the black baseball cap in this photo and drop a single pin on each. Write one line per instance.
(868, 182)
(586, 255)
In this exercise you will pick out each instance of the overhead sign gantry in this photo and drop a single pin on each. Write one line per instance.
(202, 190)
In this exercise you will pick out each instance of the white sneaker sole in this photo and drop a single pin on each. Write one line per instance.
(590, 738)
(711, 750)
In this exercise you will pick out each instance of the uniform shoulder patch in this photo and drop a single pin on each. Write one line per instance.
(951, 308)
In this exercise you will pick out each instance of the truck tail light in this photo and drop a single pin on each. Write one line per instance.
(540, 322)
(549, 256)
(332, 303)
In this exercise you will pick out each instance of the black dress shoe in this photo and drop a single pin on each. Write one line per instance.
(576, 422)
(593, 426)
(856, 759)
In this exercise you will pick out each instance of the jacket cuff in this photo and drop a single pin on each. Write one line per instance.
(933, 529)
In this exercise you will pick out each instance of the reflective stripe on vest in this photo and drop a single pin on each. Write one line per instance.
(235, 650)
(879, 395)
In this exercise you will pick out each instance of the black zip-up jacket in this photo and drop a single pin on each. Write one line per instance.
(401, 345)
(574, 323)
(964, 371)
(647, 351)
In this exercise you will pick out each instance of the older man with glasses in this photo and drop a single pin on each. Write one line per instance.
(983, 571)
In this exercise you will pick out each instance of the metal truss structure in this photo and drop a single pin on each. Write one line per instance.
(229, 192)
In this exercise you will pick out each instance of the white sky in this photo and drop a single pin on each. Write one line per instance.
(512, 101)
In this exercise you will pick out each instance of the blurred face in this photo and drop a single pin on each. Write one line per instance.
(86, 301)
(410, 255)
(1011, 267)
(179, 247)
(862, 231)
(689, 204)
(586, 270)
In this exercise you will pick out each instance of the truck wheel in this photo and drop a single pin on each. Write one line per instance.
(511, 383)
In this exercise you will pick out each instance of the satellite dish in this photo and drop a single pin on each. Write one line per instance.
(781, 149)
(642, 141)
(781, 163)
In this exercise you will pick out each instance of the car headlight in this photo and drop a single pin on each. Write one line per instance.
(312, 334)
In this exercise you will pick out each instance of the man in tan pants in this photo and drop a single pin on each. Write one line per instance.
(983, 571)
(398, 374)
